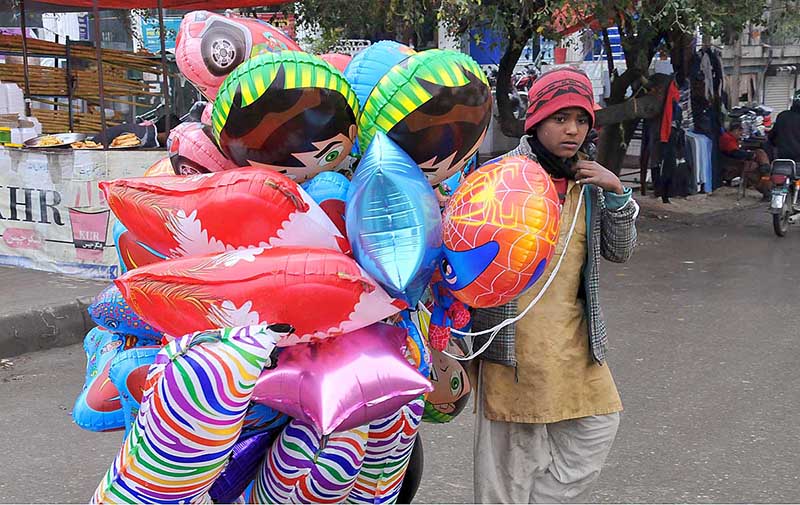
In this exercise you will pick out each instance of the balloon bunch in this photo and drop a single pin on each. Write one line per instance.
(263, 342)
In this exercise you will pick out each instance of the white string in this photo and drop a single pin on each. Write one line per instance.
(496, 329)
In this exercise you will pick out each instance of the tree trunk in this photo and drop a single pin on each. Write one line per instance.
(509, 125)
(735, 94)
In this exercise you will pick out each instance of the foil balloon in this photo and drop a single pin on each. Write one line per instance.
(210, 46)
(192, 150)
(451, 387)
(436, 105)
(260, 419)
(393, 221)
(388, 453)
(159, 168)
(127, 373)
(98, 407)
(413, 476)
(132, 252)
(319, 292)
(367, 67)
(417, 350)
(290, 112)
(242, 467)
(500, 231)
(196, 396)
(205, 117)
(305, 466)
(329, 190)
(337, 60)
(343, 382)
(187, 216)
(110, 310)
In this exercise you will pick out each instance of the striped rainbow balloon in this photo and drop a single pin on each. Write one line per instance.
(388, 452)
(196, 397)
(302, 466)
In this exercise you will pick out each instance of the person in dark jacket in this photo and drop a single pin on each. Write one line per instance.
(785, 135)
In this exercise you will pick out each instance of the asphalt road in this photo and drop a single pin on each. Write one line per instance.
(705, 344)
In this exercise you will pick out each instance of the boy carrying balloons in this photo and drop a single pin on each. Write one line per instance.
(548, 408)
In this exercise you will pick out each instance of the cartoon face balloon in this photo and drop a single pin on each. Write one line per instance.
(436, 105)
(500, 229)
(451, 388)
(290, 112)
(210, 46)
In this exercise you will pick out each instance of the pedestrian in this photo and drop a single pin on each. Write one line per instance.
(548, 408)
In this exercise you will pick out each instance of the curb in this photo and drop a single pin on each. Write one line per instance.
(45, 328)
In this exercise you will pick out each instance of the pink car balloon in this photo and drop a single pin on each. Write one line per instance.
(193, 151)
(205, 118)
(343, 382)
(214, 213)
(209, 46)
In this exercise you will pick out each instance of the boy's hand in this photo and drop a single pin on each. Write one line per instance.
(592, 172)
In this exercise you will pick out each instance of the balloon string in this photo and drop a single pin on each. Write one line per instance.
(496, 329)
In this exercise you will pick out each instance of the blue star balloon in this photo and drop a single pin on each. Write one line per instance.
(393, 220)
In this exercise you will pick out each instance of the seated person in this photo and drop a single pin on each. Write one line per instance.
(751, 166)
(151, 134)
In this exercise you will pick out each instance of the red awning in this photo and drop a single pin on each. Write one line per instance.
(166, 4)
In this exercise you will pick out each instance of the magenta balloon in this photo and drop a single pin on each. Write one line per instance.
(343, 382)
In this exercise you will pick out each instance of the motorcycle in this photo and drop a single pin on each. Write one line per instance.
(785, 191)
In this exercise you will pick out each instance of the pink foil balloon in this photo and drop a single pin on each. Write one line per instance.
(193, 151)
(205, 118)
(338, 60)
(345, 381)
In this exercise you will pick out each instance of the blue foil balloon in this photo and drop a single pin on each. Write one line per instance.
(111, 311)
(98, 407)
(367, 67)
(246, 458)
(128, 372)
(327, 186)
(393, 221)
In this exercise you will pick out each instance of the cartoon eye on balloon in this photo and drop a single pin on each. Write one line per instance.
(290, 112)
(451, 387)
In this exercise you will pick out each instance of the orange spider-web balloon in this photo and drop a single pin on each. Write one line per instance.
(500, 231)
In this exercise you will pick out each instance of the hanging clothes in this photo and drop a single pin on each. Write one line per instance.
(708, 75)
(670, 101)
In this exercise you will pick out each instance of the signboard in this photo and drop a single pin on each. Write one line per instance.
(281, 21)
(150, 29)
(52, 214)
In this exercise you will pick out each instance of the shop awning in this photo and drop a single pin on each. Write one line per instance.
(165, 4)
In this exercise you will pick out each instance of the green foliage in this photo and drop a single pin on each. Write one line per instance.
(402, 20)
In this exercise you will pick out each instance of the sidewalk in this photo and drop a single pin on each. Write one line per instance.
(40, 310)
(722, 199)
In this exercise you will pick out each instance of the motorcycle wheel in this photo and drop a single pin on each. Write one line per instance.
(780, 222)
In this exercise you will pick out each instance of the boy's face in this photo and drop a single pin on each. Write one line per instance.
(563, 133)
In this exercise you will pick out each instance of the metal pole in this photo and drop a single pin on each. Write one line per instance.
(69, 85)
(27, 83)
(164, 75)
(99, 55)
